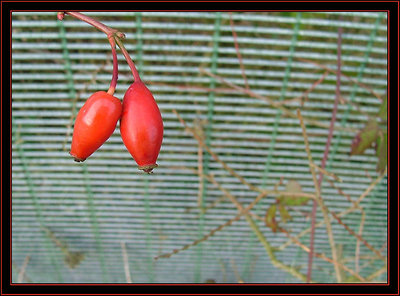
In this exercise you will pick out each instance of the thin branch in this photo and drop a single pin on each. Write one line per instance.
(17, 270)
(355, 106)
(377, 273)
(220, 90)
(219, 228)
(359, 237)
(114, 79)
(112, 34)
(230, 221)
(215, 156)
(357, 255)
(325, 172)
(345, 76)
(370, 187)
(351, 209)
(340, 191)
(304, 94)
(236, 272)
(126, 263)
(100, 26)
(131, 64)
(21, 274)
(273, 103)
(200, 172)
(323, 163)
(322, 256)
(313, 86)
(321, 205)
(223, 269)
(243, 211)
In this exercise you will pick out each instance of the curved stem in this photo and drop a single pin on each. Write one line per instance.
(114, 80)
(110, 32)
(107, 30)
(128, 59)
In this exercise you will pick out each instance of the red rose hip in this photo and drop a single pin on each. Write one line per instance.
(141, 126)
(94, 124)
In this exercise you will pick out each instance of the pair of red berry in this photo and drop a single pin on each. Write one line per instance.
(140, 119)
(141, 125)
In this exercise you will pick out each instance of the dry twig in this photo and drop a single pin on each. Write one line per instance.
(126, 263)
(320, 202)
(21, 274)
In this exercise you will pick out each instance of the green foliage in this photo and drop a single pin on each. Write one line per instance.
(382, 114)
(374, 134)
(270, 220)
(285, 216)
(281, 204)
(365, 138)
(295, 187)
(381, 151)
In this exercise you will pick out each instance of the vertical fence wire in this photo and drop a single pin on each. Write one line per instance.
(95, 206)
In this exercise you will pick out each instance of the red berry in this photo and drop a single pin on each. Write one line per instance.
(94, 124)
(141, 126)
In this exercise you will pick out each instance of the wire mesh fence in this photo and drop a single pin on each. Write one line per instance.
(235, 80)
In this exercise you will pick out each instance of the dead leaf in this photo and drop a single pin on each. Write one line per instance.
(270, 220)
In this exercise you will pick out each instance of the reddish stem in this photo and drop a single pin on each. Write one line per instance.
(128, 59)
(114, 80)
(110, 32)
(107, 30)
(326, 152)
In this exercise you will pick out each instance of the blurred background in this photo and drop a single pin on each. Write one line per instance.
(236, 81)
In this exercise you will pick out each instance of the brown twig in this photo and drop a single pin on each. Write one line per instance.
(236, 272)
(268, 192)
(242, 211)
(321, 256)
(200, 170)
(126, 263)
(358, 244)
(351, 209)
(21, 274)
(377, 273)
(325, 172)
(305, 94)
(221, 90)
(215, 156)
(343, 75)
(359, 237)
(340, 191)
(17, 270)
(274, 104)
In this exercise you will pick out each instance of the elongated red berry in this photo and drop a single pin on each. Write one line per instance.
(141, 126)
(94, 124)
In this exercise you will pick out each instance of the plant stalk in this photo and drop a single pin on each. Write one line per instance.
(114, 80)
(112, 34)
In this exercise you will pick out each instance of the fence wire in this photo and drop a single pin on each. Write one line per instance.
(73, 221)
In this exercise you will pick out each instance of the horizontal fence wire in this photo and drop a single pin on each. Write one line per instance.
(94, 207)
